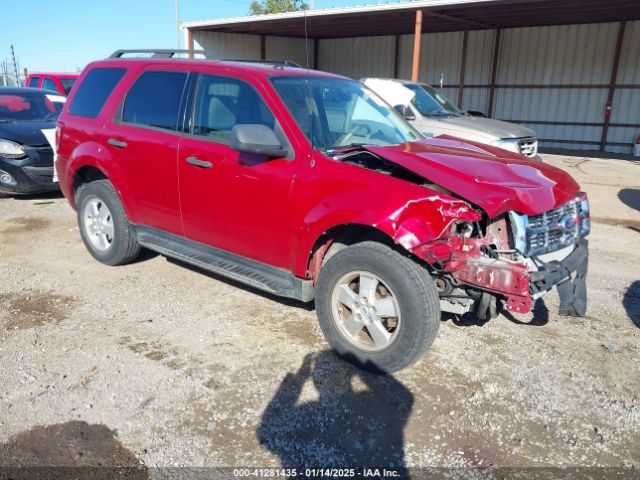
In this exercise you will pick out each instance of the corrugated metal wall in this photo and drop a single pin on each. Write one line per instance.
(560, 56)
(626, 102)
(281, 48)
(478, 69)
(358, 57)
(247, 47)
(228, 45)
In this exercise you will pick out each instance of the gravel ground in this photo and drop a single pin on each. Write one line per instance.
(160, 364)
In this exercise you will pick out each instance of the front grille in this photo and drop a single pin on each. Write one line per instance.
(40, 175)
(529, 147)
(552, 230)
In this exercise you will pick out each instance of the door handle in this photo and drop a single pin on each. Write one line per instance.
(117, 143)
(199, 163)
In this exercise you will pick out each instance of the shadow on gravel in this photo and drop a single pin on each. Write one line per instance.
(38, 196)
(630, 197)
(631, 302)
(66, 451)
(540, 317)
(145, 254)
(290, 302)
(329, 414)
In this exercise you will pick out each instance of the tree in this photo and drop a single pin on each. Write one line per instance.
(276, 6)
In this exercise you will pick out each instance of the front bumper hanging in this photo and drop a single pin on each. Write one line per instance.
(569, 276)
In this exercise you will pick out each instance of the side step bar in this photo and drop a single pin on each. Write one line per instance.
(264, 277)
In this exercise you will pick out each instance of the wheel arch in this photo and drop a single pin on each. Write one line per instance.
(346, 234)
(90, 172)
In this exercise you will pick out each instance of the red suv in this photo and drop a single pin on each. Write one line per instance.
(60, 82)
(307, 185)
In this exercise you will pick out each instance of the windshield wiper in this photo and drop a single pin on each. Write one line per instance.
(344, 147)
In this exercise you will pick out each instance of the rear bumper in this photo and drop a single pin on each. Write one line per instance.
(569, 276)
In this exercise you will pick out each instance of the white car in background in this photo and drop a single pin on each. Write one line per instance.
(432, 114)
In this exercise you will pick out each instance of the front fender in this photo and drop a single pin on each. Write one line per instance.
(411, 216)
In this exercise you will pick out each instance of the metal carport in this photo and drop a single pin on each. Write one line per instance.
(569, 69)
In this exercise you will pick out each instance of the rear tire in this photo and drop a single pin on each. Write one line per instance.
(377, 308)
(104, 226)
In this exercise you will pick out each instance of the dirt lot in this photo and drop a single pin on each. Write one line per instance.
(163, 365)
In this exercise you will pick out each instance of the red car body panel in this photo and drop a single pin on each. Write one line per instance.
(491, 178)
(276, 211)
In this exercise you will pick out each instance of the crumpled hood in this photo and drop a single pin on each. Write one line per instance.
(493, 179)
(26, 133)
(487, 126)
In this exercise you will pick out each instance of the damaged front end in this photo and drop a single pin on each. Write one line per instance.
(511, 260)
(480, 229)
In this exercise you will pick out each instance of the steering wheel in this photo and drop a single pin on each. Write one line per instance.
(344, 139)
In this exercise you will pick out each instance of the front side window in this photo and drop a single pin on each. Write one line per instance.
(33, 82)
(221, 103)
(336, 113)
(154, 100)
(49, 84)
(94, 90)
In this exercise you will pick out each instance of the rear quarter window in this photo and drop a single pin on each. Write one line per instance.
(154, 100)
(33, 82)
(94, 90)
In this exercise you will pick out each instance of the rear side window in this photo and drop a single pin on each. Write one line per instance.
(49, 84)
(93, 92)
(154, 100)
(33, 82)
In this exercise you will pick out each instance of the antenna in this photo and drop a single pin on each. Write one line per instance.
(306, 38)
(309, 91)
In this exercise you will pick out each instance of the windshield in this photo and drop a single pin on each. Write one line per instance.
(67, 83)
(30, 106)
(429, 101)
(336, 113)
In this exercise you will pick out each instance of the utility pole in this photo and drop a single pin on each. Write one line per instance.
(178, 24)
(15, 66)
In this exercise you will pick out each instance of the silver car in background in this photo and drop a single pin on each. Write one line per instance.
(432, 114)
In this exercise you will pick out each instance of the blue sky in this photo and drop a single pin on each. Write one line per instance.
(64, 35)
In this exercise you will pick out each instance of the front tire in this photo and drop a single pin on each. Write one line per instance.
(104, 225)
(377, 308)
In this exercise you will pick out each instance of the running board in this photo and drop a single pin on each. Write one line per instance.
(259, 275)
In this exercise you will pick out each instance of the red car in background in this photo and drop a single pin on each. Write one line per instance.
(61, 82)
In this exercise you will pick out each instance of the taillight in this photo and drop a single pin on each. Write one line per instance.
(59, 127)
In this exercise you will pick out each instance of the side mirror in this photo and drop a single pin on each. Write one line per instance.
(405, 111)
(258, 139)
(475, 113)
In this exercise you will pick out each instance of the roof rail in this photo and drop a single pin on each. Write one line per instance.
(166, 53)
(275, 63)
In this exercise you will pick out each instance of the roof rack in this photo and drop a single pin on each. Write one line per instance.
(275, 63)
(173, 53)
(165, 53)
